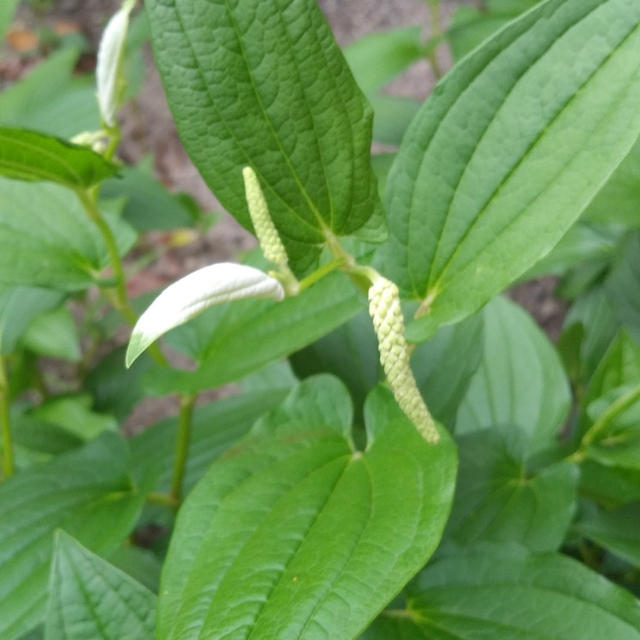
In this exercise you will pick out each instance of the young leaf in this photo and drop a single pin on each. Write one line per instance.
(521, 381)
(294, 534)
(501, 499)
(191, 295)
(508, 152)
(89, 599)
(48, 240)
(504, 592)
(87, 492)
(218, 339)
(54, 334)
(32, 156)
(264, 84)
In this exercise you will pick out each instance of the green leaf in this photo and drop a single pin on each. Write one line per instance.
(392, 117)
(141, 564)
(88, 493)
(150, 206)
(609, 486)
(48, 239)
(215, 428)
(504, 592)
(42, 436)
(218, 338)
(32, 156)
(500, 498)
(281, 537)
(18, 307)
(54, 334)
(623, 285)
(377, 58)
(264, 84)
(475, 200)
(89, 599)
(616, 531)
(618, 199)
(74, 413)
(52, 99)
(521, 381)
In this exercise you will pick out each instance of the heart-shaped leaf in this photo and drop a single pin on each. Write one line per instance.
(294, 533)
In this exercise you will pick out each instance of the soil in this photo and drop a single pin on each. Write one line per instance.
(148, 128)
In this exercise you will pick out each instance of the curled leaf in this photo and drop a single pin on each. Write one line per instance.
(108, 67)
(194, 293)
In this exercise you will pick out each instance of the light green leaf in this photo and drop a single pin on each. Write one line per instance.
(624, 283)
(88, 493)
(506, 593)
(265, 84)
(377, 58)
(500, 498)
(281, 537)
(508, 152)
(52, 99)
(192, 294)
(54, 334)
(48, 239)
(218, 338)
(18, 307)
(521, 381)
(32, 156)
(74, 413)
(616, 531)
(619, 200)
(89, 599)
(392, 117)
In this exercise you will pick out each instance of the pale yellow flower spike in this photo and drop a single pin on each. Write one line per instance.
(384, 308)
(266, 231)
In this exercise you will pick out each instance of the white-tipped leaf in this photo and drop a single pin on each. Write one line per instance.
(194, 293)
(109, 63)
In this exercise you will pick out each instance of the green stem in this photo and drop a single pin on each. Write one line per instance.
(620, 405)
(115, 136)
(164, 499)
(5, 424)
(436, 32)
(182, 445)
(320, 273)
(117, 294)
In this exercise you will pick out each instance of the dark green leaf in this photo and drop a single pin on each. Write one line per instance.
(607, 485)
(32, 156)
(89, 599)
(521, 381)
(503, 592)
(617, 531)
(48, 239)
(218, 338)
(88, 493)
(149, 204)
(508, 152)
(281, 537)
(501, 499)
(265, 84)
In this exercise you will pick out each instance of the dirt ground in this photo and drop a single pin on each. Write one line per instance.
(148, 127)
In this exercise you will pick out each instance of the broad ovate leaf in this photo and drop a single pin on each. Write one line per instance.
(294, 533)
(194, 293)
(509, 150)
(109, 64)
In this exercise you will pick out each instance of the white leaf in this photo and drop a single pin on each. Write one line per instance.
(194, 293)
(109, 63)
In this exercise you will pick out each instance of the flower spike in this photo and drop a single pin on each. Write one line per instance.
(385, 310)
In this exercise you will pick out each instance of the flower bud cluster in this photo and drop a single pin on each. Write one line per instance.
(385, 310)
